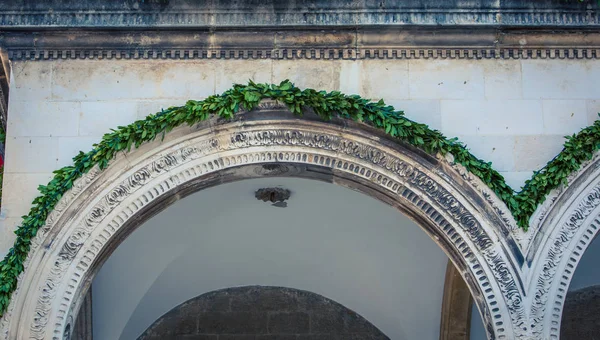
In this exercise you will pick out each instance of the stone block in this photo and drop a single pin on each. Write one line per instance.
(327, 322)
(593, 111)
(516, 179)
(365, 336)
(69, 147)
(232, 323)
(174, 323)
(357, 324)
(278, 337)
(459, 117)
(323, 336)
(263, 299)
(420, 111)
(215, 302)
(557, 79)
(491, 117)
(30, 81)
(495, 149)
(564, 116)
(240, 71)
(383, 79)
(580, 315)
(289, 322)
(308, 301)
(19, 190)
(533, 152)
(350, 71)
(43, 119)
(7, 236)
(184, 337)
(146, 108)
(133, 79)
(502, 79)
(99, 117)
(31, 154)
(445, 79)
(316, 74)
(237, 337)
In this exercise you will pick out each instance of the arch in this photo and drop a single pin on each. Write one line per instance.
(275, 311)
(562, 230)
(455, 208)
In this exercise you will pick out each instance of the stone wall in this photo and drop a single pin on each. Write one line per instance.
(261, 313)
(581, 315)
(511, 112)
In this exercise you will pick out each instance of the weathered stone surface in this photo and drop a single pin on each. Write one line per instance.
(44, 119)
(564, 116)
(318, 74)
(142, 80)
(31, 154)
(503, 79)
(516, 179)
(533, 152)
(69, 147)
(233, 322)
(289, 322)
(593, 111)
(263, 299)
(97, 118)
(18, 189)
(543, 79)
(262, 313)
(383, 79)
(445, 80)
(496, 149)
(492, 117)
(31, 81)
(176, 13)
(426, 111)
(240, 71)
(581, 315)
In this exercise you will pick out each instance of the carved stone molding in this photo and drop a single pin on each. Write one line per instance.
(565, 228)
(303, 29)
(103, 207)
(247, 13)
(304, 43)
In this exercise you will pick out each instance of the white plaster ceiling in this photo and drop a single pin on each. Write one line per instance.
(329, 240)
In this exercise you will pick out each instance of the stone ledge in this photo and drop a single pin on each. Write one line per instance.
(280, 43)
(247, 13)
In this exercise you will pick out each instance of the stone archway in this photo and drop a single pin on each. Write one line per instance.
(562, 230)
(458, 211)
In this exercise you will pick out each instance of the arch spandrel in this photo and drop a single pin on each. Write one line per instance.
(451, 206)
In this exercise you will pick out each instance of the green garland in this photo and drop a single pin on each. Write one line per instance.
(578, 148)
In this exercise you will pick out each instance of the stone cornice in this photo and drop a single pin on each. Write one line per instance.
(306, 13)
(311, 29)
(297, 43)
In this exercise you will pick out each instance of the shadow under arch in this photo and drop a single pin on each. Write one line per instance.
(456, 209)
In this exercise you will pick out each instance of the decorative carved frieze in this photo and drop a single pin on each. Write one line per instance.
(387, 42)
(567, 227)
(93, 218)
(518, 298)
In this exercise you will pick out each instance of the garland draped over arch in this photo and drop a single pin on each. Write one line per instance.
(577, 149)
